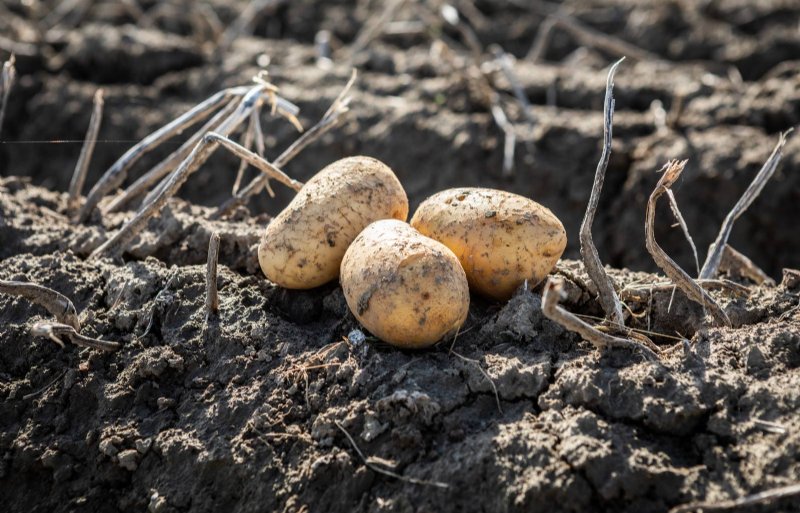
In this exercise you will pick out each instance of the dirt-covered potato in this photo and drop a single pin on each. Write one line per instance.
(407, 289)
(501, 239)
(303, 246)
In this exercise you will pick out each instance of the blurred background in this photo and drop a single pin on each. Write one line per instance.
(505, 94)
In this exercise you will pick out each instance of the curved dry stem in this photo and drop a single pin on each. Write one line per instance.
(82, 166)
(552, 290)
(692, 290)
(594, 267)
(119, 170)
(54, 331)
(54, 302)
(716, 250)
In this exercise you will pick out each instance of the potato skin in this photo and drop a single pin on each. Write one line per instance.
(303, 246)
(407, 289)
(501, 238)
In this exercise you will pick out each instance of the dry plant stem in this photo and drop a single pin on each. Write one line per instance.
(82, 167)
(9, 74)
(734, 262)
(586, 36)
(120, 240)
(765, 497)
(711, 265)
(552, 290)
(373, 27)
(506, 65)
(673, 205)
(168, 165)
(694, 291)
(594, 267)
(510, 141)
(269, 170)
(116, 173)
(54, 331)
(54, 302)
(212, 298)
(331, 118)
(380, 470)
(244, 22)
(247, 143)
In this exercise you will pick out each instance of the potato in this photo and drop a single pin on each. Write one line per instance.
(303, 246)
(501, 239)
(407, 289)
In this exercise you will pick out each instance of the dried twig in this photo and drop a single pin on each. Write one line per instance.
(374, 26)
(673, 205)
(594, 267)
(734, 262)
(586, 36)
(168, 165)
(7, 82)
(54, 302)
(331, 118)
(54, 331)
(120, 240)
(711, 265)
(247, 143)
(243, 24)
(82, 166)
(507, 67)
(768, 496)
(380, 470)
(212, 298)
(552, 290)
(694, 291)
(118, 171)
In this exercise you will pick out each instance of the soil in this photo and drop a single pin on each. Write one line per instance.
(278, 404)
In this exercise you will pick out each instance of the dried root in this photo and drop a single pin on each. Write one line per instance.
(694, 291)
(54, 331)
(553, 289)
(56, 303)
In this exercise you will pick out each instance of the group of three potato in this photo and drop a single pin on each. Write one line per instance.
(408, 284)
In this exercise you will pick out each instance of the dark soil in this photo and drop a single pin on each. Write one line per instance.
(252, 410)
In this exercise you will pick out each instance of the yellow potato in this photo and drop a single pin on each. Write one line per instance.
(303, 246)
(501, 239)
(407, 289)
